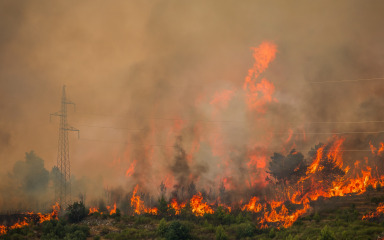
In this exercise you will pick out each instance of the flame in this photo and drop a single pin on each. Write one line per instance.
(374, 214)
(177, 207)
(253, 205)
(198, 207)
(3, 229)
(93, 210)
(131, 169)
(258, 94)
(112, 210)
(138, 204)
(376, 151)
(29, 219)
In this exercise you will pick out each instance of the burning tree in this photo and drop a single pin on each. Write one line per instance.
(287, 169)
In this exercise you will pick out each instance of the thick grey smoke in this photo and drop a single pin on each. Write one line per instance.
(143, 73)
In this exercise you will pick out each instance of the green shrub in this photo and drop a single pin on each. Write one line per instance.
(176, 230)
(290, 237)
(104, 231)
(76, 212)
(272, 233)
(162, 228)
(327, 234)
(140, 220)
(221, 234)
(316, 217)
(245, 230)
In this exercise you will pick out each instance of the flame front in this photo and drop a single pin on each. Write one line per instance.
(198, 207)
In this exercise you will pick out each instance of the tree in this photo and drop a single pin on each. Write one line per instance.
(76, 212)
(287, 169)
(328, 170)
(163, 207)
(31, 174)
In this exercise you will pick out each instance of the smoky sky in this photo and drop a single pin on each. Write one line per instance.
(134, 68)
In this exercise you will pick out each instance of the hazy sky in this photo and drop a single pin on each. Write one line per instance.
(133, 66)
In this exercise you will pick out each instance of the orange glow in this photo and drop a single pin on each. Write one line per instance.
(27, 220)
(112, 210)
(198, 207)
(93, 210)
(258, 94)
(376, 151)
(3, 229)
(221, 99)
(177, 207)
(374, 214)
(258, 161)
(253, 205)
(138, 204)
(131, 169)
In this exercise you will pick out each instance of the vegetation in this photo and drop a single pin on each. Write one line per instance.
(77, 212)
(343, 224)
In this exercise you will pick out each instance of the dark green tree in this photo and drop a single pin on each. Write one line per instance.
(163, 207)
(31, 174)
(76, 212)
(287, 169)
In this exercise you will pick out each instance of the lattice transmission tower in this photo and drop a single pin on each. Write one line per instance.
(63, 173)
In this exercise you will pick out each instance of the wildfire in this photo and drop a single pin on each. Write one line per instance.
(258, 94)
(138, 204)
(112, 210)
(253, 205)
(198, 207)
(376, 151)
(177, 207)
(378, 212)
(29, 219)
(131, 169)
(93, 210)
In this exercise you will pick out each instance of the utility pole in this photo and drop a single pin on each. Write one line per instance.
(63, 175)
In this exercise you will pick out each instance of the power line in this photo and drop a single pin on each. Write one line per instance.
(331, 133)
(283, 133)
(109, 127)
(272, 150)
(347, 122)
(125, 142)
(349, 80)
(234, 121)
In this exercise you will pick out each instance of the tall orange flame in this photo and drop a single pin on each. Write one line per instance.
(198, 207)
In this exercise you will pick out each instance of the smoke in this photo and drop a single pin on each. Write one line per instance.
(144, 73)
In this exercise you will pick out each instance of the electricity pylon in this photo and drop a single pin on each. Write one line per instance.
(63, 175)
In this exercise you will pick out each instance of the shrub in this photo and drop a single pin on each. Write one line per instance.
(316, 217)
(327, 234)
(162, 228)
(221, 234)
(245, 230)
(76, 212)
(177, 231)
(272, 233)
